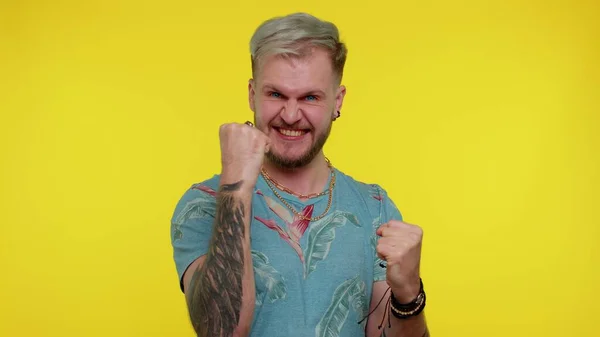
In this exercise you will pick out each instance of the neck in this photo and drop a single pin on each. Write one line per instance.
(308, 179)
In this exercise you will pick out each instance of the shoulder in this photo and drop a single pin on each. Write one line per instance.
(367, 190)
(207, 186)
(370, 194)
(375, 197)
(202, 192)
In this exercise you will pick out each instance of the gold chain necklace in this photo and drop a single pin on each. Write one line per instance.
(299, 195)
(271, 185)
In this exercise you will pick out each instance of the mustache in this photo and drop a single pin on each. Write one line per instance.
(290, 126)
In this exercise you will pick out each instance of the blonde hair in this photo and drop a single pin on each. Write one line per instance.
(295, 35)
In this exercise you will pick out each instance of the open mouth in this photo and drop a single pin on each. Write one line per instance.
(292, 133)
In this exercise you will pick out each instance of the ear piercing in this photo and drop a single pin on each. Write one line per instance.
(338, 114)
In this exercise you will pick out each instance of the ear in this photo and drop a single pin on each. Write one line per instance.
(251, 95)
(339, 99)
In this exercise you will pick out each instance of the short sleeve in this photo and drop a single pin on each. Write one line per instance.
(191, 226)
(387, 211)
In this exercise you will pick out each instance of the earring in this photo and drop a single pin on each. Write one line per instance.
(337, 115)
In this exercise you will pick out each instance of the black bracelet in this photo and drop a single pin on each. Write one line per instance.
(411, 304)
(403, 311)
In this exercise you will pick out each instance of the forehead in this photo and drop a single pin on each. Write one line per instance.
(313, 71)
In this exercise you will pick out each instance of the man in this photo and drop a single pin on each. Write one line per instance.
(282, 243)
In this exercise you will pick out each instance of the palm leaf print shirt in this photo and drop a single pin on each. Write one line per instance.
(312, 278)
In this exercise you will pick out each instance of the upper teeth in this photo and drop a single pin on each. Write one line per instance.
(293, 133)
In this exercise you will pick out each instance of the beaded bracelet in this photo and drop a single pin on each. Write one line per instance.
(403, 311)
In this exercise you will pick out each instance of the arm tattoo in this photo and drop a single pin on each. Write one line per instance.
(215, 297)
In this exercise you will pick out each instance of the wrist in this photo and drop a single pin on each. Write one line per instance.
(408, 292)
(405, 310)
(240, 180)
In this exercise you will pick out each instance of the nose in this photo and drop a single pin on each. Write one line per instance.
(290, 113)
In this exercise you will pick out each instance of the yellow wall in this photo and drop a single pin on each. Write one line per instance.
(480, 118)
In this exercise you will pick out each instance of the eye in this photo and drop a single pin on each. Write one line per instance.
(274, 94)
(311, 98)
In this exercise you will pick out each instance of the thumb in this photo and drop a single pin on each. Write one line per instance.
(267, 144)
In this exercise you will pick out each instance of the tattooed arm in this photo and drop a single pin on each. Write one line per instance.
(219, 286)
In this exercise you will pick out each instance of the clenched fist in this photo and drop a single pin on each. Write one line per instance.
(243, 149)
(400, 246)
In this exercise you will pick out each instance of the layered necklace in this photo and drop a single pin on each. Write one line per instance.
(274, 185)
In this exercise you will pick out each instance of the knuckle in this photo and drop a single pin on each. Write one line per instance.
(227, 128)
(418, 230)
(413, 235)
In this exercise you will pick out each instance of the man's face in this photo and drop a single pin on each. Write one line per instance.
(294, 101)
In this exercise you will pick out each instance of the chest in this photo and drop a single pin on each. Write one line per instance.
(293, 254)
(314, 275)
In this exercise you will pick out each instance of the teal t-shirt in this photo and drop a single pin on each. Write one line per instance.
(312, 278)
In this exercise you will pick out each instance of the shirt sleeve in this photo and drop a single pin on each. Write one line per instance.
(191, 226)
(387, 211)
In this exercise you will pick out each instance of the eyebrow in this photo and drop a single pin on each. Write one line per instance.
(316, 92)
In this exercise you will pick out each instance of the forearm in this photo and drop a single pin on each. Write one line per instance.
(415, 326)
(222, 294)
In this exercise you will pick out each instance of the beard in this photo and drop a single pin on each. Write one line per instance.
(305, 159)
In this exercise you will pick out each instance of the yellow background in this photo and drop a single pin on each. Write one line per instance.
(480, 118)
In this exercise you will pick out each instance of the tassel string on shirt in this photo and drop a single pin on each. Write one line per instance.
(387, 306)
(385, 313)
